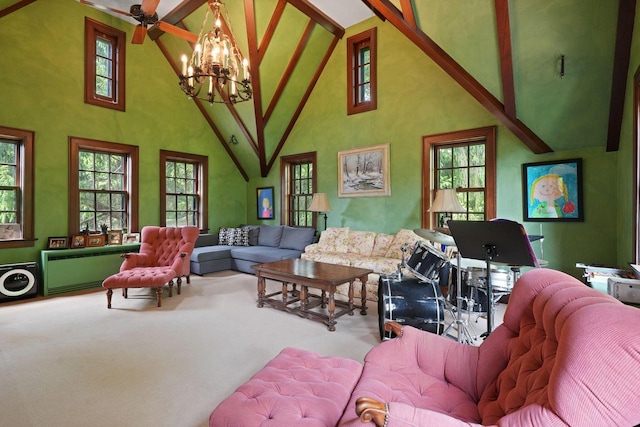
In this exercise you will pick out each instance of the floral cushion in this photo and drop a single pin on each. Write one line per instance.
(361, 242)
(334, 240)
(382, 243)
(402, 238)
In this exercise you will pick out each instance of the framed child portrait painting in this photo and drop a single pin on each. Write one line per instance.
(265, 202)
(552, 191)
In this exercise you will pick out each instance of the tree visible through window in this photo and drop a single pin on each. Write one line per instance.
(184, 189)
(361, 72)
(16, 188)
(298, 181)
(104, 65)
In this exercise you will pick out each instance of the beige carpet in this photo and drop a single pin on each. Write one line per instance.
(69, 361)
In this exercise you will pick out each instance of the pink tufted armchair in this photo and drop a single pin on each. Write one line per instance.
(163, 257)
(566, 355)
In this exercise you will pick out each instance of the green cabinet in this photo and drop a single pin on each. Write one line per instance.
(66, 270)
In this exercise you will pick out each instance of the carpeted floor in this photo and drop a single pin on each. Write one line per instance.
(69, 361)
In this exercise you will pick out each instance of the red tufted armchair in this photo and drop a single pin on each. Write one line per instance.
(164, 256)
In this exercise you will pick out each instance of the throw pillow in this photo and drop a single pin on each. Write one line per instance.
(254, 232)
(241, 237)
(381, 246)
(296, 238)
(403, 237)
(334, 240)
(270, 235)
(361, 242)
(223, 236)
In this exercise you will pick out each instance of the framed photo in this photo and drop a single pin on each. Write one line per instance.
(265, 203)
(131, 238)
(114, 237)
(61, 242)
(95, 240)
(552, 191)
(78, 241)
(364, 172)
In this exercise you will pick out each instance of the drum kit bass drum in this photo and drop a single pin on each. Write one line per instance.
(422, 301)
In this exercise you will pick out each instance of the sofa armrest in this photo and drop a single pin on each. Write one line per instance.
(312, 248)
(402, 415)
(133, 260)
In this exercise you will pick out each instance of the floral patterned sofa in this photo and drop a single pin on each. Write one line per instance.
(380, 252)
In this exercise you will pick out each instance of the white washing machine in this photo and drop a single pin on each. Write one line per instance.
(18, 281)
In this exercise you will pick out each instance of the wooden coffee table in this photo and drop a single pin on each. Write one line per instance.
(311, 274)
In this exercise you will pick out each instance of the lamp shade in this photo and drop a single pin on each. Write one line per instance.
(446, 201)
(319, 203)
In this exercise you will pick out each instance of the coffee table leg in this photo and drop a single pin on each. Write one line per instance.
(323, 299)
(284, 292)
(351, 298)
(261, 291)
(332, 312)
(303, 297)
(363, 294)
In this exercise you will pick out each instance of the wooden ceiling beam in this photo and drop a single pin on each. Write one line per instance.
(624, 36)
(271, 28)
(286, 76)
(19, 5)
(506, 61)
(303, 101)
(460, 75)
(318, 16)
(407, 12)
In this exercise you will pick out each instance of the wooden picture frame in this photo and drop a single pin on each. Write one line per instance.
(114, 237)
(128, 238)
(94, 240)
(552, 191)
(78, 241)
(58, 242)
(364, 172)
(264, 199)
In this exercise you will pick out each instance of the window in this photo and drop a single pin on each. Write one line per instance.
(466, 161)
(16, 188)
(104, 75)
(362, 72)
(298, 183)
(103, 186)
(183, 187)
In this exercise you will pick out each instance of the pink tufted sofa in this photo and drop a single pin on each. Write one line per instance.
(566, 355)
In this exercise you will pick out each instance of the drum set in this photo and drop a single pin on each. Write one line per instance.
(436, 283)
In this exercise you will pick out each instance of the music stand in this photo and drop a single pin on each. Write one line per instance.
(500, 241)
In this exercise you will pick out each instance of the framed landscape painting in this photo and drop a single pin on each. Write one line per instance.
(552, 191)
(364, 172)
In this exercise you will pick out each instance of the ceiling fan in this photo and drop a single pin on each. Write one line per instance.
(146, 15)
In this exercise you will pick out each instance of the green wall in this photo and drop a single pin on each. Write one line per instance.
(416, 98)
(41, 89)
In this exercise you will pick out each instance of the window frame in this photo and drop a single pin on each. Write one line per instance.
(286, 162)
(131, 176)
(355, 43)
(26, 171)
(94, 30)
(431, 142)
(202, 178)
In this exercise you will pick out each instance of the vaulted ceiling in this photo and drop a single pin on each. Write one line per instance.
(289, 42)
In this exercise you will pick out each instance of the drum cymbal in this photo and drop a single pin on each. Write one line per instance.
(435, 236)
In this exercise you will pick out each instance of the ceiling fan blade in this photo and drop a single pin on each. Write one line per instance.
(139, 34)
(101, 7)
(177, 31)
(149, 6)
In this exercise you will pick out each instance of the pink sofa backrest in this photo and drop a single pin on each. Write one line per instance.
(165, 243)
(571, 353)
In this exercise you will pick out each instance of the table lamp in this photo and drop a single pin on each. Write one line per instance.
(320, 204)
(446, 202)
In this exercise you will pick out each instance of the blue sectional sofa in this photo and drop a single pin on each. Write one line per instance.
(248, 246)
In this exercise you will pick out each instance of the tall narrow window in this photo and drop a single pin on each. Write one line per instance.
(16, 188)
(298, 183)
(104, 65)
(362, 72)
(465, 161)
(103, 186)
(183, 186)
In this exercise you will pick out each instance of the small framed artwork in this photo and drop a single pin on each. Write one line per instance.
(114, 237)
(552, 191)
(364, 172)
(95, 240)
(78, 241)
(61, 242)
(265, 202)
(131, 238)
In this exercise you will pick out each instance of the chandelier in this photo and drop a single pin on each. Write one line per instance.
(216, 64)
